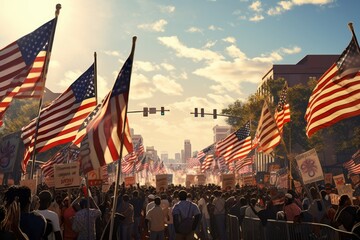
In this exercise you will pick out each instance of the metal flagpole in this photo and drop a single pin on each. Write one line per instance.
(118, 172)
(43, 75)
(350, 24)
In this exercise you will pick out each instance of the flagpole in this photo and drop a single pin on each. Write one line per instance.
(118, 173)
(350, 24)
(43, 76)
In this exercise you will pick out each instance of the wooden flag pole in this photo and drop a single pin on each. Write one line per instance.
(43, 75)
(118, 171)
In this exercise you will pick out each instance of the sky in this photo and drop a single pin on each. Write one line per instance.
(189, 53)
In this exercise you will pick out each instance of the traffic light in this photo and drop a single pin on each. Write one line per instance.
(196, 112)
(202, 112)
(162, 111)
(215, 114)
(145, 112)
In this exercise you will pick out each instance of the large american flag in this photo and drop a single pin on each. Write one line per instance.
(337, 93)
(206, 157)
(21, 66)
(235, 146)
(282, 113)
(65, 155)
(59, 122)
(239, 164)
(267, 133)
(208, 161)
(130, 161)
(109, 130)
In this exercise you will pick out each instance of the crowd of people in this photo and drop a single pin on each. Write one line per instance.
(142, 212)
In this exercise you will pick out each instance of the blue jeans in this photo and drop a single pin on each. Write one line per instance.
(157, 235)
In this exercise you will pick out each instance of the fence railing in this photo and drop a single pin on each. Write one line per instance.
(253, 229)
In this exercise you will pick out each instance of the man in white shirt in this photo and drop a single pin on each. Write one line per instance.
(51, 217)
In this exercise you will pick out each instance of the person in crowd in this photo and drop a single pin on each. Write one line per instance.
(155, 220)
(84, 219)
(137, 201)
(219, 214)
(51, 217)
(291, 208)
(35, 203)
(68, 213)
(10, 222)
(127, 210)
(345, 216)
(185, 212)
(253, 209)
(205, 217)
(151, 204)
(32, 223)
(317, 207)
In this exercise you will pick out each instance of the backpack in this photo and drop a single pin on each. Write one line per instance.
(185, 224)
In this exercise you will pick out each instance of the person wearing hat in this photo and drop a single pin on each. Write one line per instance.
(151, 204)
(291, 209)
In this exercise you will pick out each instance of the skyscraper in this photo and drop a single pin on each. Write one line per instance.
(187, 150)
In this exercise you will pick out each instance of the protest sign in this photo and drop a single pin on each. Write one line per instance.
(130, 181)
(339, 180)
(228, 181)
(328, 178)
(190, 179)
(66, 175)
(309, 166)
(161, 182)
(201, 179)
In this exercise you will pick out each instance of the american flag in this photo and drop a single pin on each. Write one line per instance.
(336, 95)
(128, 163)
(109, 130)
(282, 113)
(222, 164)
(21, 66)
(141, 164)
(239, 164)
(59, 122)
(65, 155)
(206, 164)
(202, 154)
(192, 162)
(267, 133)
(353, 165)
(162, 169)
(235, 146)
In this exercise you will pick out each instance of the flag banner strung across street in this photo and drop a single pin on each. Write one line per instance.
(11, 152)
(59, 122)
(236, 146)
(337, 93)
(109, 130)
(21, 66)
(267, 133)
(309, 166)
(282, 113)
(65, 155)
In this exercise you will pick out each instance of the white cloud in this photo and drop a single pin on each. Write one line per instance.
(293, 50)
(166, 85)
(141, 87)
(229, 40)
(167, 9)
(167, 66)
(158, 26)
(283, 6)
(194, 30)
(235, 52)
(214, 28)
(145, 66)
(192, 53)
(256, 18)
(210, 44)
(256, 6)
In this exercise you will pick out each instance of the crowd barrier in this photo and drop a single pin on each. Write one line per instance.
(253, 229)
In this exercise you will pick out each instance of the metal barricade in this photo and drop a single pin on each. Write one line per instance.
(253, 229)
